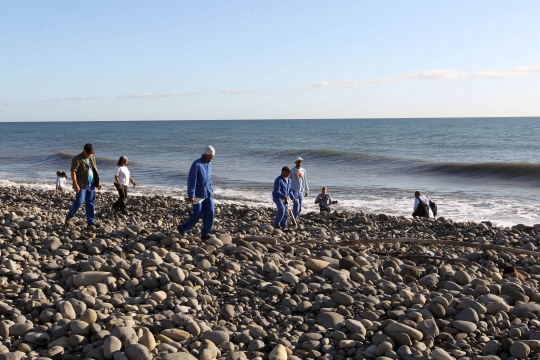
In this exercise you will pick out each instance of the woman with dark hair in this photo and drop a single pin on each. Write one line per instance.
(121, 182)
(61, 181)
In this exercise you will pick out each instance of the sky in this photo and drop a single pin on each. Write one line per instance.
(184, 60)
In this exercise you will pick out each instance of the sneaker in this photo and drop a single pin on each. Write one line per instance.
(205, 237)
(68, 223)
(95, 224)
(277, 226)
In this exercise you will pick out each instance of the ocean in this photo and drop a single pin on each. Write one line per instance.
(475, 169)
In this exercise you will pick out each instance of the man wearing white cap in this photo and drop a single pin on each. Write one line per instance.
(201, 194)
(299, 186)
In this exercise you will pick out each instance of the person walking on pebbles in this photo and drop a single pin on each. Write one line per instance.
(201, 194)
(84, 173)
(281, 195)
(299, 185)
(122, 179)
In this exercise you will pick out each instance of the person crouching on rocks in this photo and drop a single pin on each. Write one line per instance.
(122, 179)
(281, 194)
(324, 200)
(61, 181)
(422, 206)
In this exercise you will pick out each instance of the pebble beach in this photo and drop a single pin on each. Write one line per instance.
(134, 288)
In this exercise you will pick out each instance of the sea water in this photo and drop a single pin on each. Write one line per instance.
(474, 169)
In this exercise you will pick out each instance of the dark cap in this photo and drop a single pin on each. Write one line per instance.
(89, 148)
(285, 168)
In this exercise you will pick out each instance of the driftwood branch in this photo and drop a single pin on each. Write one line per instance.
(497, 248)
(418, 256)
(261, 239)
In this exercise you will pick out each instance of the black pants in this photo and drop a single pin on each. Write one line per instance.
(120, 204)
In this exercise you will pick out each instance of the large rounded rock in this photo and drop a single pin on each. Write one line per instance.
(520, 350)
(343, 298)
(278, 353)
(329, 320)
(90, 278)
(316, 265)
(217, 337)
(126, 335)
(464, 326)
(355, 326)
(397, 328)
(137, 352)
(179, 356)
(80, 327)
(440, 354)
(111, 345)
(462, 277)
(20, 329)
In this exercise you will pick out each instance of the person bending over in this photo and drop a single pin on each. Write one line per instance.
(422, 207)
(201, 194)
(281, 195)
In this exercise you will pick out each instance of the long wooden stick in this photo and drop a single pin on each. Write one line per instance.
(427, 242)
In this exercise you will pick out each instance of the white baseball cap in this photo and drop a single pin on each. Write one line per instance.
(298, 159)
(209, 150)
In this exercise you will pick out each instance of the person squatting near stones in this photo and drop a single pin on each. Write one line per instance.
(281, 194)
(85, 176)
(122, 178)
(299, 185)
(201, 194)
(61, 181)
(422, 206)
(325, 200)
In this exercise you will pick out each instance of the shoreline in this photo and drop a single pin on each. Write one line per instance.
(135, 288)
(230, 196)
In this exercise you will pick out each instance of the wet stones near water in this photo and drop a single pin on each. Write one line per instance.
(135, 289)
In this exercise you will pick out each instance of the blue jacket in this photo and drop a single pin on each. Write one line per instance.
(199, 183)
(282, 188)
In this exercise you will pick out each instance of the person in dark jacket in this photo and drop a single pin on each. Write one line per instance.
(201, 194)
(281, 195)
(84, 173)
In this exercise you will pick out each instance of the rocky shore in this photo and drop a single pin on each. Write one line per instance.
(135, 289)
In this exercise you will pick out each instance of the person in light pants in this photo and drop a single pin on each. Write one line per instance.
(299, 186)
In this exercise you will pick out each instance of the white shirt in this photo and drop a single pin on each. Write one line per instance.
(61, 182)
(425, 200)
(123, 174)
(299, 181)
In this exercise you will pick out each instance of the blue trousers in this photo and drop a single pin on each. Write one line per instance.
(282, 215)
(88, 196)
(205, 208)
(297, 206)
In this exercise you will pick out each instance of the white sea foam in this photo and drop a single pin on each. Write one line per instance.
(458, 207)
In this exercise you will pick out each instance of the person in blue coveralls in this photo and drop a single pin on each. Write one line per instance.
(201, 194)
(281, 195)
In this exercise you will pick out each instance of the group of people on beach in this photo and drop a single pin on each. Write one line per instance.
(290, 186)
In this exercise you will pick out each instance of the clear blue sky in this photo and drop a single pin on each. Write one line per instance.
(145, 60)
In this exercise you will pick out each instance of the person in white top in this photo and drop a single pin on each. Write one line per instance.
(121, 182)
(421, 204)
(61, 181)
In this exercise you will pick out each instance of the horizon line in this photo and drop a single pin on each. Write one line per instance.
(281, 119)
